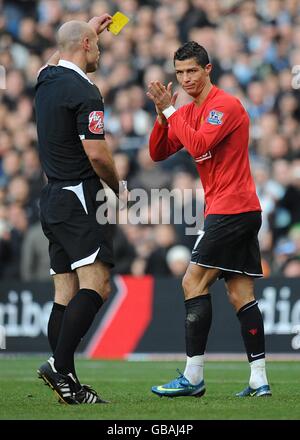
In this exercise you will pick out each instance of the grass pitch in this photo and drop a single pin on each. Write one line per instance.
(127, 386)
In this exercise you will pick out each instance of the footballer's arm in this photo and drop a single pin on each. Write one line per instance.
(102, 162)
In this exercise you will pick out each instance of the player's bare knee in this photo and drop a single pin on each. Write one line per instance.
(233, 297)
(238, 300)
(66, 286)
(187, 283)
(240, 291)
(192, 286)
(106, 290)
(101, 286)
(232, 292)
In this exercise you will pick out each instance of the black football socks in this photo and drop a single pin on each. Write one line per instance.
(252, 329)
(78, 317)
(54, 324)
(54, 327)
(197, 324)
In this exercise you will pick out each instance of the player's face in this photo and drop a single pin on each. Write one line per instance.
(93, 55)
(191, 76)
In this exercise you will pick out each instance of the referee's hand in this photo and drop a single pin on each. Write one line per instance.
(100, 23)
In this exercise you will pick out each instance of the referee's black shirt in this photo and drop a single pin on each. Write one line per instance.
(69, 108)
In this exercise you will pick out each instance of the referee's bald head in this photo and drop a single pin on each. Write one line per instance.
(71, 34)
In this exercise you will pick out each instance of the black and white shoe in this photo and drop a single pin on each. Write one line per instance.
(88, 395)
(66, 387)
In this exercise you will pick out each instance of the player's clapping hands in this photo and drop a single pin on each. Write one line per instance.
(161, 95)
(162, 98)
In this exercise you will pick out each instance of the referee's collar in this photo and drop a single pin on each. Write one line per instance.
(70, 65)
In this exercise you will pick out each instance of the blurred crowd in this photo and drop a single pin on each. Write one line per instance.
(253, 46)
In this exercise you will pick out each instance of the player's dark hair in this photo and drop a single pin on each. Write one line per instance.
(192, 50)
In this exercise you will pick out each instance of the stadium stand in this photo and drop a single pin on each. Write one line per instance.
(253, 45)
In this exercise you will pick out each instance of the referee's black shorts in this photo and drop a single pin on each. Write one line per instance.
(68, 218)
(230, 243)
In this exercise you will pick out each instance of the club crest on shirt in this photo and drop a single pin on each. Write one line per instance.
(215, 117)
(96, 122)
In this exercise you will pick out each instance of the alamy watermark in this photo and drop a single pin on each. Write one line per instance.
(155, 207)
(2, 78)
(296, 77)
(2, 338)
(296, 339)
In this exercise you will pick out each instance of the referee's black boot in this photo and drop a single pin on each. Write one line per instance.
(64, 386)
(86, 395)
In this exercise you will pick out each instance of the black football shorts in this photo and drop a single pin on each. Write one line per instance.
(230, 243)
(68, 218)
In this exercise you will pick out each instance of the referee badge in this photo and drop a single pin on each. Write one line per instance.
(96, 122)
(215, 117)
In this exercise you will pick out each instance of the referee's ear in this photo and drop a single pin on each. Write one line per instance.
(86, 43)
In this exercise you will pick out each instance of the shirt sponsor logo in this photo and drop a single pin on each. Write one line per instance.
(203, 157)
(96, 122)
(215, 117)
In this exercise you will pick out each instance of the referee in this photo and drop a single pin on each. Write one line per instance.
(74, 154)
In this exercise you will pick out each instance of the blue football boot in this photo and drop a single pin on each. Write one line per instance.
(263, 391)
(179, 387)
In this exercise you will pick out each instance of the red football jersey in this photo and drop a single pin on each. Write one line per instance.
(216, 134)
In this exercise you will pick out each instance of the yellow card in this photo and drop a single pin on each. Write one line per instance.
(119, 21)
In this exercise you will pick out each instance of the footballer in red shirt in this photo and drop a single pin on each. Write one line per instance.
(214, 129)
